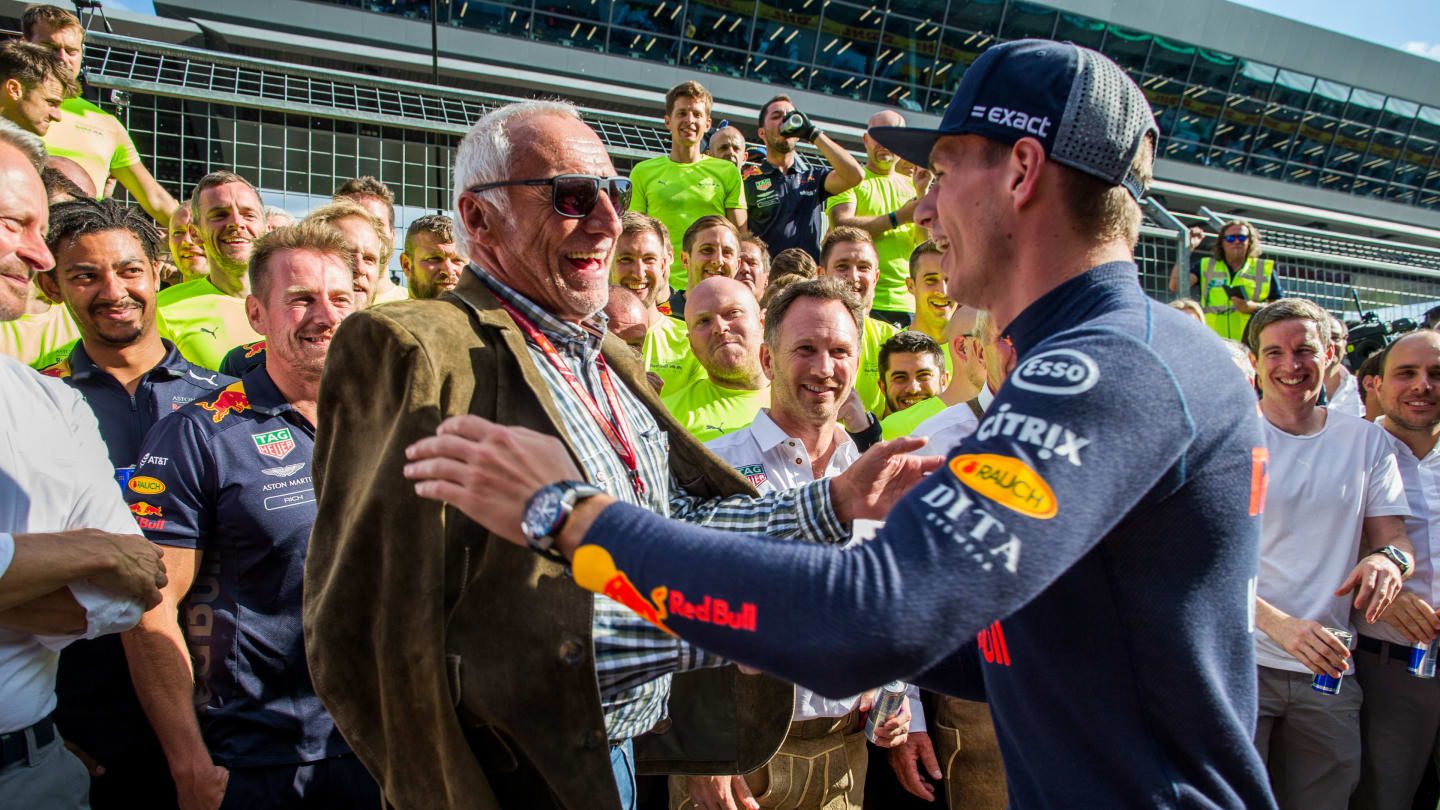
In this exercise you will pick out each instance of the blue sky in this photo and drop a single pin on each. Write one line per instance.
(1409, 25)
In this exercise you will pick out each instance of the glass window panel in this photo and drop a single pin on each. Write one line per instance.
(1313, 139)
(714, 59)
(1400, 194)
(641, 45)
(1080, 30)
(1025, 21)
(1254, 79)
(1303, 175)
(652, 16)
(1386, 149)
(1126, 47)
(1335, 182)
(1398, 114)
(595, 10)
(784, 36)
(496, 18)
(1170, 60)
(1364, 106)
(958, 49)
(976, 15)
(568, 31)
(721, 26)
(914, 41)
(1263, 166)
(920, 9)
(1330, 98)
(1238, 123)
(1277, 134)
(779, 71)
(1213, 69)
(1348, 147)
(838, 83)
(1292, 88)
(849, 40)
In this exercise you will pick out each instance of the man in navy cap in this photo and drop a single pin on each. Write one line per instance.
(1055, 556)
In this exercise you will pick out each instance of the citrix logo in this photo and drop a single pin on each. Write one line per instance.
(1015, 119)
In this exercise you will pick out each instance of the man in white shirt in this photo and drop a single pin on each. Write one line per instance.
(1331, 479)
(982, 360)
(810, 354)
(71, 562)
(1341, 390)
(1400, 719)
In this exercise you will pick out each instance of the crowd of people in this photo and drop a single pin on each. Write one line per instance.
(639, 491)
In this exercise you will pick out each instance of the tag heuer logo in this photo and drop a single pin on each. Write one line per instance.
(276, 444)
(754, 472)
(762, 185)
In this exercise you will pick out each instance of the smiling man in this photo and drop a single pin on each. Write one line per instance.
(33, 85)
(933, 305)
(723, 320)
(186, 250)
(642, 265)
(710, 247)
(912, 370)
(848, 254)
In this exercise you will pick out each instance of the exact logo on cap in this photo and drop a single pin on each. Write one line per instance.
(1015, 119)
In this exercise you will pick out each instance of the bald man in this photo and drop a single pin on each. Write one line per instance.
(723, 320)
(626, 318)
(73, 172)
(728, 143)
(884, 205)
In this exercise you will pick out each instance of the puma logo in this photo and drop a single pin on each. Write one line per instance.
(210, 380)
(210, 332)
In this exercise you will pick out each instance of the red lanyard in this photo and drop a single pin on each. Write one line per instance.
(618, 433)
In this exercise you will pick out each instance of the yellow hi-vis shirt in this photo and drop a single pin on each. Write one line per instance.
(93, 138)
(202, 322)
(677, 194)
(710, 411)
(32, 338)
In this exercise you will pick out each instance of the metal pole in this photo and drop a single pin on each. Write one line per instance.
(437, 152)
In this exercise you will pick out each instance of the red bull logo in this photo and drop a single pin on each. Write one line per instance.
(595, 570)
(143, 509)
(59, 370)
(231, 399)
(252, 349)
(714, 611)
(992, 645)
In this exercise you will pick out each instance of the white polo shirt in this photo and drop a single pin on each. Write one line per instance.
(947, 429)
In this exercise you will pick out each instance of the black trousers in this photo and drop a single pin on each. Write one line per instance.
(338, 782)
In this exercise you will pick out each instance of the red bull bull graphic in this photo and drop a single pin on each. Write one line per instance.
(252, 349)
(147, 515)
(595, 570)
(232, 399)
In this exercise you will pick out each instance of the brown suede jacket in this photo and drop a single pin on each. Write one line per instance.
(458, 666)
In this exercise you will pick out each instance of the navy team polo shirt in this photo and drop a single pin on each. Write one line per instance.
(787, 208)
(235, 483)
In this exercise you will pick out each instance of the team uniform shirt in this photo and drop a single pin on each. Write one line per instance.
(32, 338)
(1421, 477)
(677, 194)
(667, 354)
(903, 423)
(708, 410)
(234, 482)
(867, 379)
(391, 292)
(787, 207)
(93, 138)
(1047, 560)
(1322, 487)
(241, 359)
(946, 429)
(876, 195)
(203, 322)
(54, 477)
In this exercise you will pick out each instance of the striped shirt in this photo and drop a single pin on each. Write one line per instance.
(634, 660)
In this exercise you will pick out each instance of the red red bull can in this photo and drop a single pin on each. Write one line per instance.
(887, 702)
(1422, 659)
(1328, 684)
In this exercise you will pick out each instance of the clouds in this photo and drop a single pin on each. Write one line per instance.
(1430, 49)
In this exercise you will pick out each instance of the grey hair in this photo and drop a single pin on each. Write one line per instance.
(276, 211)
(484, 156)
(28, 143)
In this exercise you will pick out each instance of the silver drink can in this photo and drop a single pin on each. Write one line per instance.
(887, 702)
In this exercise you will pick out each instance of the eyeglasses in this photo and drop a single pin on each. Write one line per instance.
(1237, 237)
(574, 195)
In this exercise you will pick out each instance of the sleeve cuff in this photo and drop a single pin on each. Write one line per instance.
(105, 612)
(817, 513)
(917, 715)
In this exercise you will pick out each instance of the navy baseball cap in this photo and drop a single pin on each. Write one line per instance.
(1081, 106)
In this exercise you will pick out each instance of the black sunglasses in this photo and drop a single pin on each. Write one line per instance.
(574, 195)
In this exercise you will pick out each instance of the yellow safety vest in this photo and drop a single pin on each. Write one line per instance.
(1253, 278)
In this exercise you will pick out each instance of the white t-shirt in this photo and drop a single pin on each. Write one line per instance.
(947, 428)
(1422, 493)
(1322, 487)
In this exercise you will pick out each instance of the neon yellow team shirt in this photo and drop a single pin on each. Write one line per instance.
(203, 322)
(395, 293)
(677, 194)
(903, 423)
(709, 411)
(93, 138)
(32, 339)
(881, 194)
(867, 381)
(667, 353)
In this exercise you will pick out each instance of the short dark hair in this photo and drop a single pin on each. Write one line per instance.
(56, 182)
(778, 283)
(632, 222)
(437, 225)
(793, 261)
(926, 248)
(689, 89)
(821, 289)
(1373, 366)
(707, 221)
(1287, 309)
(747, 238)
(308, 235)
(910, 342)
(220, 177)
(367, 186)
(841, 235)
(32, 64)
(53, 16)
(75, 218)
(765, 108)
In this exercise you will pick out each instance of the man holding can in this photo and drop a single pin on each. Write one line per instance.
(1400, 719)
(1332, 478)
(1068, 580)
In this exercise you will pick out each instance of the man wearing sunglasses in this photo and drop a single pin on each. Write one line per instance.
(1235, 282)
(466, 672)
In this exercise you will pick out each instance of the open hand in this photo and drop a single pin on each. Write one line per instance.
(879, 478)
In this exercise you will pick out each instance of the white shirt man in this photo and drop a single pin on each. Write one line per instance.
(1332, 478)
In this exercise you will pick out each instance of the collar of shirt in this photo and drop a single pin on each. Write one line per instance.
(263, 395)
(797, 166)
(583, 338)
(172, 366)
(1070, 303)
(768, 437)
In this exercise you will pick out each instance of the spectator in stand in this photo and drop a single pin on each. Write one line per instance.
(430, 261)
(376, 198)
(1190, 307)
(883, 204)
(710, 247)
(232, 502)
(912, 370)
(205, 318)
(687, 185)
(964, 340)
(926, 282)
(107, 271)
(1334, 495)
(849, 255)
(85, 133)
(1342, 391)
(728, 143)
(1367, 377)
(754, 264)
(277, 217)
(810, 353)
(71, 564)
(642, 265)
(625, 318)
(370, 238)
(1235, 282)
(1400, 718)
(786, 193)
(723, 320)
(186, 248)
(33, 85)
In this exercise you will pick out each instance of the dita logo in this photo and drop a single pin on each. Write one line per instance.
(1015, 119)
(992, 645)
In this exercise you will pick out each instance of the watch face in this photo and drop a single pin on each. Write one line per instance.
(540, 515)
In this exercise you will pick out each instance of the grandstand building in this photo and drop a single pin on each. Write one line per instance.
(1327, 142)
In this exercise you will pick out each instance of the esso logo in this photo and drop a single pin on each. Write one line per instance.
(1058, 371)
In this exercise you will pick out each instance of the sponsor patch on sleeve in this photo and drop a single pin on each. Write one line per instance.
(595, 570)
(1062, 372)
(1007, 481)
(146, 485)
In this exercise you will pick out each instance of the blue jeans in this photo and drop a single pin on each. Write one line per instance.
(622, 761)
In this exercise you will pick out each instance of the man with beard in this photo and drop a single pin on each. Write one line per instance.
(186, 249)
(107, 273)
(786, 193)
(229, 497)
(849, 255)
(723, 320)
(1400, 716)
(430, 261)
(642, 266)
(376, 198)
(883, 204)
(912, 370)
(206, 318)
(754, 265)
